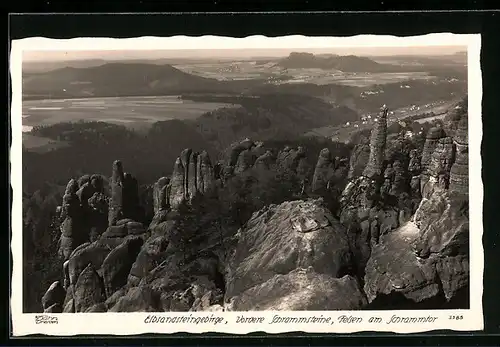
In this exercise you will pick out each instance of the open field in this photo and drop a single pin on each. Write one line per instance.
(39, 144)
(247, 70)
(129, 111)
(344, 132)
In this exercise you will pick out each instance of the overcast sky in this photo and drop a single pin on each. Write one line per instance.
(61, 55)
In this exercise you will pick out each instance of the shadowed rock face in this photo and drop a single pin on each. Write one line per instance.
(187, 184)
(160, 195)
(73, 232)
(290, 157)
(436, 172)
(245, 161)
(426, 259)
(177, 185)
(430, 144)
(292, 256)
(89, 290)
(116, 267)
(234, 155)
(124, 202)
(205, 174)
(83, 213)
(265, 161)
(377, 146)
(323, 170)
(459, 173)
(358, 160)
(54, 298)
(305, 235)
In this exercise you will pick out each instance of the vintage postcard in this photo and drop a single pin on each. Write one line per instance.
(235, 185)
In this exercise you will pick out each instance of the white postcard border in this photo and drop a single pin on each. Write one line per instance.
(134, 323)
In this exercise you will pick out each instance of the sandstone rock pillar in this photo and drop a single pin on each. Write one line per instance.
(377, 146)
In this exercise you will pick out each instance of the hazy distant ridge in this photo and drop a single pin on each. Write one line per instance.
(114, 79)
(349, 63)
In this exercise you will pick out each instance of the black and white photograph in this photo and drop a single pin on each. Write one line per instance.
(247, 182)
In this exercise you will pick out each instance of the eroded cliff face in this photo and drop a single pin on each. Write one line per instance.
(306, 262)
(424, 262)
(400, 236)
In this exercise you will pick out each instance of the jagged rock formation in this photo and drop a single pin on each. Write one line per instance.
(193, 175)
(322, 171)
(401, 235)
(358, 160)
(329, 172)
(82, 213)
(377, 146)
(161, 192)
(53, 299)
(308, 244)
(425, 261)
(459, 173)
(124, 202)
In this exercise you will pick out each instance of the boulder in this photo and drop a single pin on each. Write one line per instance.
(393, 267)
(91, 253)
(302, 290)
(116, 187)
(55, 308)
(378, 138)
(54, 295)
(205, 175)
(116, 267)
(323, 171)
(192, 177)
(358, 160)
(160, 194)
(89, 290)
(177, 186)
(150, 256)
(280, 239)
(138, 299)
(245, 161)
(100, 307)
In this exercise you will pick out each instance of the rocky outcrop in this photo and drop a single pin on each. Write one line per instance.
(304, 235)
(265, 161)
(73, 232)
(124, 201)
(358, 160)
(431, 142)
(193, 175)
(459, 173)
(329, 172)
(161, 199)
(323, 171)
(302, 290)
(205, 173)
(290, 158)
(83, 213)
(400, 241)
(89, 290)
(116, 267)
(374, 166)
(53, 299)
(426, 260)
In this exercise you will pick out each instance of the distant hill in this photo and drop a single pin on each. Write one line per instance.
(120, 79)
(267, 116)
(30, 67)
(348, 63)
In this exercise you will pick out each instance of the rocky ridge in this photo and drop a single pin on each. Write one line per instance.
(401, 233)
